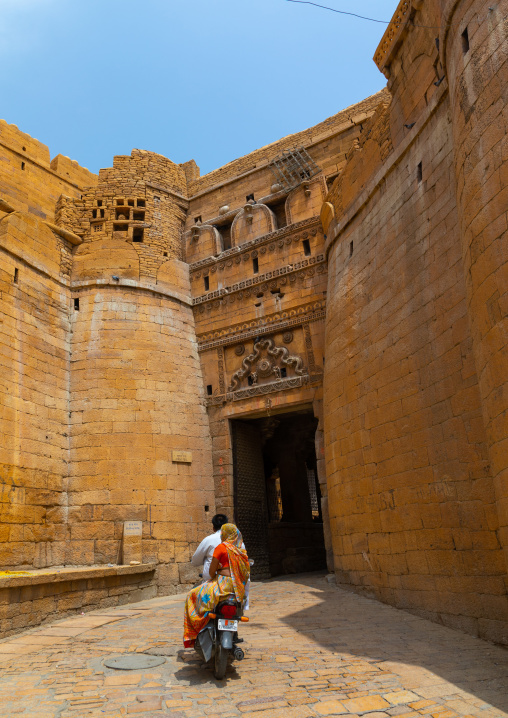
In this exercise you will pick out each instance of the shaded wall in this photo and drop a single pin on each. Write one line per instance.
(475, 50)
(34, 360)
(412, 496)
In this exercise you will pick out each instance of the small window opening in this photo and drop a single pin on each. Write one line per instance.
(119, 201)
(102, 212)
(197, 220)
(279, 210)
(24, 149)
(306, 247)
(140, 216)
(76, 303)
(250, 197)
(120, 227)
(465, 41)
(207, 283)
(94, 213)
(260, 295)
(257, 304)
(141, 202)
(137, 234)
(16, 275)
(209, 389)
(207, 508)
(255, 265)
(351, 247)
(164, 254)
(22, 165)
(225, 233)
(331, 179)
(122, 213)
(99, 203)
(419, 172)
(250, 380)
(130, 202)
(275, 291)
(283, 372)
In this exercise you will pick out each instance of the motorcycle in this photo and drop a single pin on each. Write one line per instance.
(219, 638)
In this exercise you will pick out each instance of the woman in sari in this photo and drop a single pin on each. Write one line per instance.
(229, 572)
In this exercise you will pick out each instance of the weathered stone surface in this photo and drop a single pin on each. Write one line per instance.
(144, 310)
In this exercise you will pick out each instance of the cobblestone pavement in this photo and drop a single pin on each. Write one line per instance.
(312, 649)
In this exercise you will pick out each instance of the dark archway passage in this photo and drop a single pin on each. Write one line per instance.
(277, 497)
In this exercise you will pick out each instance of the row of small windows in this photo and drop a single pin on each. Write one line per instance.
(255, 265)
(137, 232)
(121, 213)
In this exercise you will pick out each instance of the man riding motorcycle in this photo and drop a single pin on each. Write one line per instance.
(204, 552)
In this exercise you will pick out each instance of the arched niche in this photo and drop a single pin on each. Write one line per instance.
(305, 200)
(173, 275)
(254, 220)
(202, 241)
(104, 258)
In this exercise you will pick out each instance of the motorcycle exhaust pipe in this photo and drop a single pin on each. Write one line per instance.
(238, 654)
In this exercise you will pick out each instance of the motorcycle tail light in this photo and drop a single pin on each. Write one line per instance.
(228, 611)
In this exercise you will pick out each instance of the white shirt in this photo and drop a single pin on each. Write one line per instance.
(204, 553)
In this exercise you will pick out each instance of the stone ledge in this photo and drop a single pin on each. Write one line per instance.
(31, 578)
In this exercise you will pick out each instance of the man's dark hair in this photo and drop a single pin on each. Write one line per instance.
(219, 520)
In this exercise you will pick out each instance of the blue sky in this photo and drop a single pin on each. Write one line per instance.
(204, 79)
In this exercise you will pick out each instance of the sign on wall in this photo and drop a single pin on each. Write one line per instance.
(182, 457)
(132, 528)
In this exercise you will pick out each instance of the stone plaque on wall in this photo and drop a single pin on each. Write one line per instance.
(132, 528)
(182, 457)
(132, 533)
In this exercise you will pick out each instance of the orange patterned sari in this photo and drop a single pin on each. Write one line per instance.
(203, 599)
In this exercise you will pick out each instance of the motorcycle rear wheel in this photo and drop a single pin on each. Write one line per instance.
(221, 661)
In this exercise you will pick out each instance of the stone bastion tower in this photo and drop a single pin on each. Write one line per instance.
(135, 382)
(103, 416)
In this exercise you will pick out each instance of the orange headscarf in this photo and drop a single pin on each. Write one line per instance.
(238, 559)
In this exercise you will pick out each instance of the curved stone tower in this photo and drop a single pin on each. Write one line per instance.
(474, 41)
(136, 387)
(415, 399)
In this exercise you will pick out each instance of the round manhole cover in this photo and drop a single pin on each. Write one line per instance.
(133, 661)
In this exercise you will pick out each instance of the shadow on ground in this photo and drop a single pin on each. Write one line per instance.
(395, 640)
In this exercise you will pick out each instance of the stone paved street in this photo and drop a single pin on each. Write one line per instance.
(311, 650)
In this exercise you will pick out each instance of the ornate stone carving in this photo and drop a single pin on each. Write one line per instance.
(313, 368)
(265, 325)
(398, 21)
(289, 269)
(260, 390)
(264, 361)
(287, 337)
(312, 224)
(239, 350)
(220, 367)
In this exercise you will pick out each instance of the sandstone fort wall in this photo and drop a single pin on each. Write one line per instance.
(146, 312)
(35, 332)
(415, 490)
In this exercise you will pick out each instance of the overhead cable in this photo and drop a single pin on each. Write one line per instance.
(354, 14)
